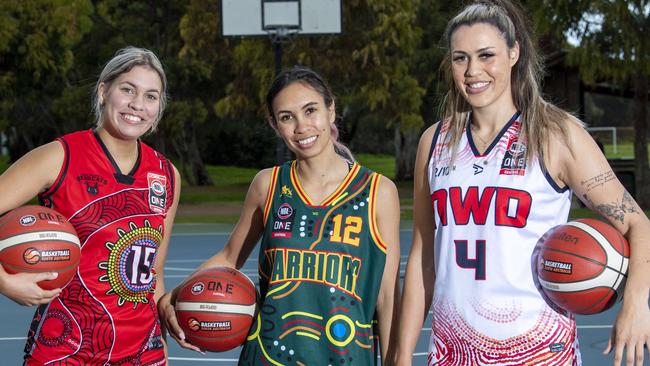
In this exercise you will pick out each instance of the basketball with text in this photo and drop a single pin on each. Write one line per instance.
(37, 239)
(582, 265)
(215, 308)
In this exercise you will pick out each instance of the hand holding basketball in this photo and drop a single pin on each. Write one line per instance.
(215, 308)
(169, 322)
(39, 253)
(23, 288)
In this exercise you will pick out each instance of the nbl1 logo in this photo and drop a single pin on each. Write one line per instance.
(27, 220)
(157, 192)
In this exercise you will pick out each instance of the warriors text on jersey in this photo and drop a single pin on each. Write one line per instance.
(490, 210)
(321, 268)
(107, 314)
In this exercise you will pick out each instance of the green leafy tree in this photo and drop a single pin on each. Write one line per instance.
(122, 23)
(369, 67)
(610, 43)
(37, 40)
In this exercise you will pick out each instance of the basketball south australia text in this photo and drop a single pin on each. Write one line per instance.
(328, 268)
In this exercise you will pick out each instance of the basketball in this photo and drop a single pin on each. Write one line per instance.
(215, 308)
(38, 239)
(582, 265)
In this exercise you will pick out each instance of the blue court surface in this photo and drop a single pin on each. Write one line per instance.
(192, 244)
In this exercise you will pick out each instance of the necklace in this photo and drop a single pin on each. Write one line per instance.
(483, 142)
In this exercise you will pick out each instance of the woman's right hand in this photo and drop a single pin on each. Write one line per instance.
(168, 321)
(23, 288)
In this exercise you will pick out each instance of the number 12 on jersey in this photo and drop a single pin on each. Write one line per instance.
(463, 260)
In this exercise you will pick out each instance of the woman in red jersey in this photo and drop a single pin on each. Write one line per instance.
(121, 196)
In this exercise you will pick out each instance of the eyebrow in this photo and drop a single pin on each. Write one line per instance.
(135, 86)
(309, 104)
(477, 51)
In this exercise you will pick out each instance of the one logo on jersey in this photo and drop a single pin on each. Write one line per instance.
(557, 267)
(514, 159)
(93, 182)
(477, 169)
(557, 347)
(286, 192)
(157, 192)
(283, 221)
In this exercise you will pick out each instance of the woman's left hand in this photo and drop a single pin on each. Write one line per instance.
(631, 331)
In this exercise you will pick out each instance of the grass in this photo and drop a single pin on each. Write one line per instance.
(230, 185)
(383, 164)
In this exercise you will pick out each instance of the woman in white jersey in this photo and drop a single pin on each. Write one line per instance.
(490, 179)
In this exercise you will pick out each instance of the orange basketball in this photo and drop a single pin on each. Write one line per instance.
(39, 239)
(215, 308)
(582, 265)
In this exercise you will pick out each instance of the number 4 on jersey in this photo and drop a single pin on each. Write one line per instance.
(463, 260)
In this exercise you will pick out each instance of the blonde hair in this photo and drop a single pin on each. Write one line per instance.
(539, 118)
(123, 61)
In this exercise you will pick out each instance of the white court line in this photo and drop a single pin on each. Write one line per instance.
(12, 338)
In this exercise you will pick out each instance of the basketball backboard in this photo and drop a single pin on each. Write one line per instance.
(260, 17)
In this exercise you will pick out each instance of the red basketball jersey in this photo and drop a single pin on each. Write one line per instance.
(107, 314)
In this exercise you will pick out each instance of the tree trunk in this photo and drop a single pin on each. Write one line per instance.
(200, 173)
(641, 172)
(192, 168)
(406, 144)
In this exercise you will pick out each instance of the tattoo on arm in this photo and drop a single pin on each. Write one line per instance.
(615, 210)
(598, 181)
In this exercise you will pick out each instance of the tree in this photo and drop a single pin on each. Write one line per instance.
(369, 67)
(609, 42)
(122, 23)
(37, 40)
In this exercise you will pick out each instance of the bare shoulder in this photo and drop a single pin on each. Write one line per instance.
(51, 152)
(427, 135)
(387, 192)
(576, 147)
(262, 179)
(44, 161)
(259, 187)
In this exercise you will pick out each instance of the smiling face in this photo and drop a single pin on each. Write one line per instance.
(482, 65)
(131, 103)
(303, 120)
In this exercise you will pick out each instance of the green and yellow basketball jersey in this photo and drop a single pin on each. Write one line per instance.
(320, 267)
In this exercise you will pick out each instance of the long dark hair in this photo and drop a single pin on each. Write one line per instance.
(308, 77)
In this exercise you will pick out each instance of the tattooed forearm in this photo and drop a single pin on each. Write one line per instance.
(598, 181)
(615, 210)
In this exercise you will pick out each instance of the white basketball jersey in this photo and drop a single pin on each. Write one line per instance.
(490, 210)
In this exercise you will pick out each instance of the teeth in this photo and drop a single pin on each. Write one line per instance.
(132, 118)
(307, 140)
(478, 85)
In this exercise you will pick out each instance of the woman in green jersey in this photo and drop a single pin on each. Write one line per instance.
(329, 256)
